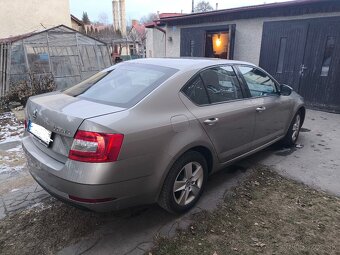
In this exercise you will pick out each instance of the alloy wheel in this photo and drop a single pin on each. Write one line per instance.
(296, 127)
(188, 183)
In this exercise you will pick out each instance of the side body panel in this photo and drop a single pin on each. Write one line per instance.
(233, 133)
(271, 123)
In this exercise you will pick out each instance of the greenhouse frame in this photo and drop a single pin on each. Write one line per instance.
(66, 54)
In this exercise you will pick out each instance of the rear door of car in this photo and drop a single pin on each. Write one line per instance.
(216, 99)
(272, 110)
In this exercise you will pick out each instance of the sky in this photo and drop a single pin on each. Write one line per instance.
(135, 9)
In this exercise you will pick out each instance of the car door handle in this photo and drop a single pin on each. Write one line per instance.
(260, 109)
(211, 121)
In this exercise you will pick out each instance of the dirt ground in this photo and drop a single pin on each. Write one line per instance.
(267, 215)
(45, 228)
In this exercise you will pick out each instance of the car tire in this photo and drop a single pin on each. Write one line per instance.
(184, 183)
(294, 130)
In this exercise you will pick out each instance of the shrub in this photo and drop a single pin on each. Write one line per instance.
(21, 91)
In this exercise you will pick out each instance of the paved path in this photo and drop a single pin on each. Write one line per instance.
(22, 198)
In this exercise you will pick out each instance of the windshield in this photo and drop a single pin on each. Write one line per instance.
(123, 86)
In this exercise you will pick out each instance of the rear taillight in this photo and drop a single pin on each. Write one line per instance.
(25, 124)
(95, 147)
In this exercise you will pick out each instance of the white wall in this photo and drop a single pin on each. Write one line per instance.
(149, 42)
(25, 16)
(248, 36)
(155, 43)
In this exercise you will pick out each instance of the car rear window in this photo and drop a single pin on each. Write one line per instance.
(124, 86)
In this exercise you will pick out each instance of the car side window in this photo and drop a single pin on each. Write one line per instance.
(259, 83)
(221, 84)
(196, 91)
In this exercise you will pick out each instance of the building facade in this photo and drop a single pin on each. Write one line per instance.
(298, 42)
(77, 24)
(21, 17)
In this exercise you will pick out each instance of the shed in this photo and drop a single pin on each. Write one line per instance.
(63, 52)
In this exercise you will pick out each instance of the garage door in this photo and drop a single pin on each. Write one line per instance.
(305, 54)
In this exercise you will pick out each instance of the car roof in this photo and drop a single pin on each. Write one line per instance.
(183, 64)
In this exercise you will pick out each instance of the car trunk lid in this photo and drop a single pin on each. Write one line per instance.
(62, 115)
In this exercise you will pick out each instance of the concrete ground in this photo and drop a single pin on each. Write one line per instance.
(314, 161)
(317, 163)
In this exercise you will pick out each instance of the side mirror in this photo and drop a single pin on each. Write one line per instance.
(285, 90)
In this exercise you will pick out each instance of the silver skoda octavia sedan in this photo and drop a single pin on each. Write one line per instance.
(152, 130)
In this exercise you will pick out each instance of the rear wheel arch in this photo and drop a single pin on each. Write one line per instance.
(167, 198)
(206, 152)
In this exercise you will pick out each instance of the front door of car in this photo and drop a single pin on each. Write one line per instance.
(219, 105)
(272, 110)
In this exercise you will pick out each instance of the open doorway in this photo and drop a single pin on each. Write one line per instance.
(217, 45)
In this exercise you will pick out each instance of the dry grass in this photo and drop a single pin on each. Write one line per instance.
(267, 215)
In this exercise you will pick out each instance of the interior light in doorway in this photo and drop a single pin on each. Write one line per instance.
(218, 41)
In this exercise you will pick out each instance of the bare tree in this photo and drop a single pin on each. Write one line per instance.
(137, 37)
(103, 18)
(203, 6)
(148, 18)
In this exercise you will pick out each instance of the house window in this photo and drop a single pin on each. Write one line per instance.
(330, 45)
(282, 51)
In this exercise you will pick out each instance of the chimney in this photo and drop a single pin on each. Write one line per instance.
(193, 6)
(216, 6)
(122, 17)
(134, 22)
(116, 18)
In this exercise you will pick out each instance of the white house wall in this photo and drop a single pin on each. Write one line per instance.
(25, 16)
(248, 36)
(155, 43)
(149, 42)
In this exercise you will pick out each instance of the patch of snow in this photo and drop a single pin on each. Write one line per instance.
(16, 149)
(11, 130)
(11, 139)
(38, 207)
(5, 169)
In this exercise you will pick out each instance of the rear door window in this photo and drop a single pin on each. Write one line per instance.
(196, 92)
(124, 86)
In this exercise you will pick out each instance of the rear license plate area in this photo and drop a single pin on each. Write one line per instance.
(41, 133)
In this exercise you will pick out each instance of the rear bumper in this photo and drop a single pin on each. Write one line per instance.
(89, 191)
(123, 194)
